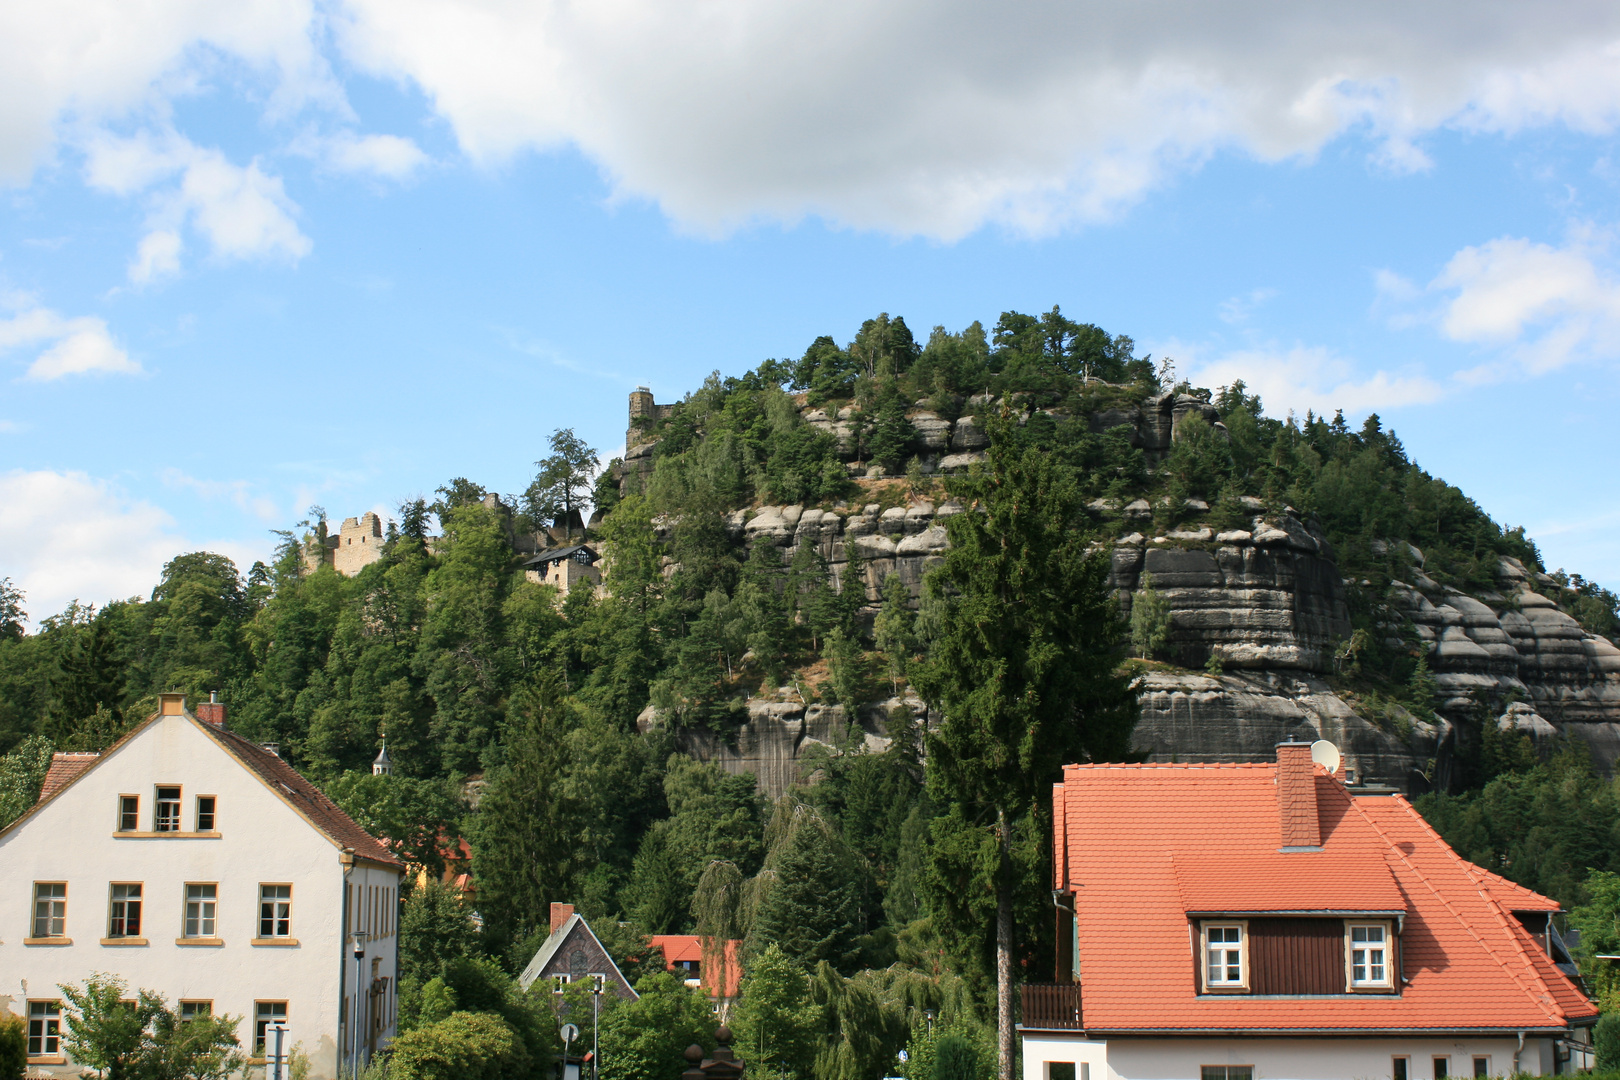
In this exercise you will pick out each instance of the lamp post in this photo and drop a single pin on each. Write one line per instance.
(275, 1071)
(357, 942)
(597, 980)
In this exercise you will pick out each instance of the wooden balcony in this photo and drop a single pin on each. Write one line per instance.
(1052, 1006)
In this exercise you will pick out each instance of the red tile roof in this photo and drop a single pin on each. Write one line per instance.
(689, 947)
(1278, 881)
(64, 767)
(303, 796)
(1142, 845)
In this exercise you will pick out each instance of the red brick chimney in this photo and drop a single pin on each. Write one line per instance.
(1296, 796)
(212, 710)
(560, 914)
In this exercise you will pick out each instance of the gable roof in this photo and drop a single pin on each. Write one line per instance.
(1142, 848)
(304, 797)
(308, 801)
(553, 945)
(560, 553)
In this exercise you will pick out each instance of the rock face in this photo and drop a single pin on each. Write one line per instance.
(772, 742)
(1269, 600)
(1242, 717)
(1263, 598)
(1516, 644)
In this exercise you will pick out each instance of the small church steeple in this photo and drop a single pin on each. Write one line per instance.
(383, 765)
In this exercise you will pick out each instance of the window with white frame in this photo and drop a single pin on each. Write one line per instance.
(202, 900)
(190, 1010)
(275, 911)
(1368, 959)
(44, 1028)
(50, 909)
(1225, 956)
(129, 813)
(124, 911)
(205, 813)
(1226, 1072)
(166, 818)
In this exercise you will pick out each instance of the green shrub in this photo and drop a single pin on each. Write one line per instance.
(463, 1046)
(955, 1058)
(1606, 1041)
(13, 1046)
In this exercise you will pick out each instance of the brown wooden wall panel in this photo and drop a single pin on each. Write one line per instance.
(1296, 956)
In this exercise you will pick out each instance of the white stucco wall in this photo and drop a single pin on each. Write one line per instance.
(261, 840)
(1368, 1058)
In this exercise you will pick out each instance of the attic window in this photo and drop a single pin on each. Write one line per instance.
(1367, 946)
(1226, 955)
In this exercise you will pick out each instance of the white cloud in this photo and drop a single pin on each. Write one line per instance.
(936, 117)
(1304, 378)
(157, 256)
(87, 61)
(927, 117)
(1237, 309)
(1541, 306)
(66, 536)
(387, 156)
(239, 492)
(76, 346)
(242, 212)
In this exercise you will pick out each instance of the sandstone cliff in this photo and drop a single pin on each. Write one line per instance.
(1259, 622)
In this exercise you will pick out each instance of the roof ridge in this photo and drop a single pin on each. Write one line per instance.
(1472, 870)
(1540, 1002)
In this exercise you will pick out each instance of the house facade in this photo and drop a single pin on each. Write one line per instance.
(565, 568)
(1239, 922)
(190, 861)
(572, 952)
(717, 970)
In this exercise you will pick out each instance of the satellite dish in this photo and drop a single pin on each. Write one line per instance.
(1326, 755)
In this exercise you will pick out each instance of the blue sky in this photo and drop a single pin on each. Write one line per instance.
(274, 254)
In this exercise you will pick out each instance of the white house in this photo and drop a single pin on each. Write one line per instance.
(1266, 922)
(190, 861)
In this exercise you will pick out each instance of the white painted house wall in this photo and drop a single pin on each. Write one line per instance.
(260, 839)
(1345, 1058)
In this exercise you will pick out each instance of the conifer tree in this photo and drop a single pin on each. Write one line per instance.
(1025, 672)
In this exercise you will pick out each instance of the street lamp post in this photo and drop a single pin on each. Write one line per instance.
(357, 941)
(597, 980)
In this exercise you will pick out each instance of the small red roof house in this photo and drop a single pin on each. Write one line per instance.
(1245, 921)
(720, 978)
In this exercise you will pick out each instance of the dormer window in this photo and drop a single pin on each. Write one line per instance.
(167, 817)
(1226, 956)
(1367, 945)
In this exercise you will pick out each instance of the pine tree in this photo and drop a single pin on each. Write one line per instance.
(524, 837)
(892, 629)
(1025, 673)
(810, 902)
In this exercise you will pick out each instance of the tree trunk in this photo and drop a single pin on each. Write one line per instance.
(1004, 947)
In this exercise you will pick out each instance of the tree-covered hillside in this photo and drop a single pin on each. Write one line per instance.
(874, 867)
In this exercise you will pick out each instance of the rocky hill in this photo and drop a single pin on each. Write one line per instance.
(1270, 635)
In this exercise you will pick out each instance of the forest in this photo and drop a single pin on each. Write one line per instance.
(867, 897)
